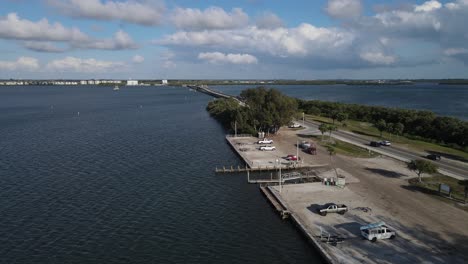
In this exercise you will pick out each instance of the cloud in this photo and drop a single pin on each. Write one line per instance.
(458, 53)
(137, 12)
(41, 46)
(138, 59)
(73, 64)
(210, 18)
(13, 27)
(221, 58)
(378, 58)
(303, 40)
(40, 34)
(344, 9)
(269, 20)
(428, 6)
(121, 40)
(22, 63)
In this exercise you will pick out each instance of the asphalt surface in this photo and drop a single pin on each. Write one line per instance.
(458, 170)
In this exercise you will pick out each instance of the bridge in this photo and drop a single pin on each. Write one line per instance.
(206, 90)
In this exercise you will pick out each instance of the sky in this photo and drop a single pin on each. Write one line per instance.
(242, 39)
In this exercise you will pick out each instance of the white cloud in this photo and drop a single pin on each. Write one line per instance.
(455, 51)
(138, 59)
(137, 12)
(428, 6)
(41, 46)
(283, 42)
(40, 34)
(73, 64)
(344, 9)
(13, 27)
(210, 18)
(378, 58)
(269, 20)
(22, 63)
(221, 58)
(120, 40)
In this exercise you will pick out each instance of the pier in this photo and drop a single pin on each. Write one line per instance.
(274, 202)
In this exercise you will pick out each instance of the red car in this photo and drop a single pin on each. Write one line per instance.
(291, 157)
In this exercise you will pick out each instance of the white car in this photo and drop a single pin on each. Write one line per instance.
(294, 125)
(265, 141)
(376, 231)
(267, 148)
(385, 143)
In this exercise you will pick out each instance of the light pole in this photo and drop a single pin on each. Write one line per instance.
(279, 176)
(297, 151)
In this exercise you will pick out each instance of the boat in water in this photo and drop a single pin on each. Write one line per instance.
(116, 88)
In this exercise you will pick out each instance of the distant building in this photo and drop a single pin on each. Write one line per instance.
(164, 82)
(132, 82)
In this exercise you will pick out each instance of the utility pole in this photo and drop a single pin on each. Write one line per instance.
(297, 151)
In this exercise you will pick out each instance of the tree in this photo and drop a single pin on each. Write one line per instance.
(381, 125)
(331, 128)
(323, 128)
(398, 129)
(341, 117)
(464, 183)
(422, 166)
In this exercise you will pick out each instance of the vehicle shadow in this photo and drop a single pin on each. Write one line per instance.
(314, 208)
(351, 227)
(386, 173)
(448, 156)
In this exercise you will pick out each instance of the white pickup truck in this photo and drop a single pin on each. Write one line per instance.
(376, 231)
(267, 148)
(332, 208)
(265, 141)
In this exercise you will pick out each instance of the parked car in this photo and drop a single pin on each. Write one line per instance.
(332, 208)
(304, 145)
(291, 157)
(267, 148)
(385, 143)
(265, 141)
(374, 144)
(294, 125)
(376, 231)
(434, 157)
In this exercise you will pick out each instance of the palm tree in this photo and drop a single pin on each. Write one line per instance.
(332, 151)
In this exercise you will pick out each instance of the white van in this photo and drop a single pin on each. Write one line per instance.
(376, 231)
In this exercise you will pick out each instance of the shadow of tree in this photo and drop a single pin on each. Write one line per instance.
(386, 173)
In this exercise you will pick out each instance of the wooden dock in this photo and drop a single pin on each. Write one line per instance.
(275, 203)
(231, 169)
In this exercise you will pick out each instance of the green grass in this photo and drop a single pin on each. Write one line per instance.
(373, 133)
(430, 185)
(345, 148)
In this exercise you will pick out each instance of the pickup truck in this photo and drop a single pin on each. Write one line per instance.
(265, 141)
(332, 208)
(376, 231)
(266, 148)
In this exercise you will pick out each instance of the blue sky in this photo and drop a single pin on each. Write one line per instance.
(245, 39)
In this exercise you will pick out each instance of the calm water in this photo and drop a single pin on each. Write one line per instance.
(447, 100)
(89, 175)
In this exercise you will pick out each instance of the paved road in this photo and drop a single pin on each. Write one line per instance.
(451, 169)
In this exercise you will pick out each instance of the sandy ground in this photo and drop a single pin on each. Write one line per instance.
(428, 230)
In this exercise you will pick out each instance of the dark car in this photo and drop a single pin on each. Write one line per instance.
(374, 144)
(434, 157)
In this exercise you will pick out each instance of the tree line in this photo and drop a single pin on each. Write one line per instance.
(266, 110)
(416, 124)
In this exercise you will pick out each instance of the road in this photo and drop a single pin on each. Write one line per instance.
(452, 169)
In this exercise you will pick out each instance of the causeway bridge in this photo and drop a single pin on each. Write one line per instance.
(206, 90)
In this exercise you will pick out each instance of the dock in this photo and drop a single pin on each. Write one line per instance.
(275, 203)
